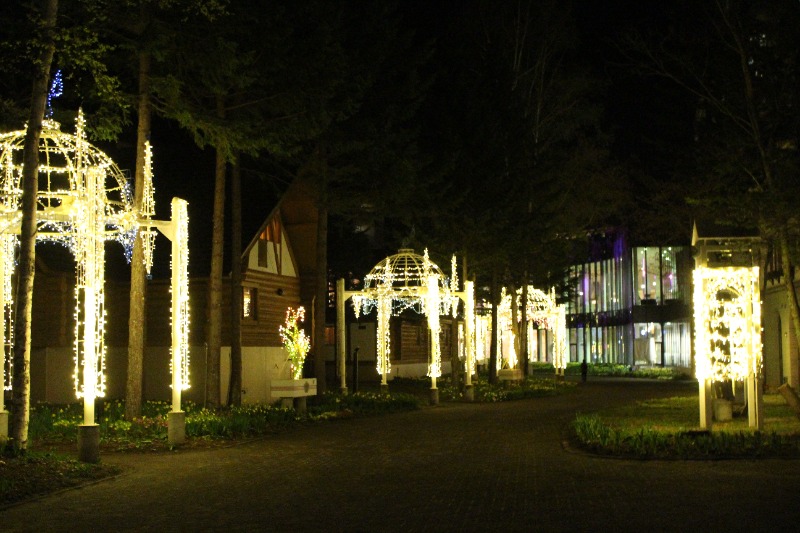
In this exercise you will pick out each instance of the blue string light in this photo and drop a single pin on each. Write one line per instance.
(56, 90)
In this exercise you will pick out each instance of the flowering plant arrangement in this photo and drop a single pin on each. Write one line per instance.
(295, 340)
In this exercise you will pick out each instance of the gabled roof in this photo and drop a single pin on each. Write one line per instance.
(299, 215)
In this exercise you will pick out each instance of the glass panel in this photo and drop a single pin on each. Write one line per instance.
(647, 344)
(669, 274)
(677, 344)
(648, 282)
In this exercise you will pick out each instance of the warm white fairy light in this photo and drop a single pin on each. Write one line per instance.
(470, 332)
(7, 247)
(560, 344)
(727, 314)
(83, 201)
(180, 299)
(432, 309)
(295, 341)
(148, 237)
(148, 208)
(541, 310)
(384, 364)
(400, 282)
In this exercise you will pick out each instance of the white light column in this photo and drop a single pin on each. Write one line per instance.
(7, 243)
(469, 330)
(90, 313)
(177, 231)
(432, 304)
(384, 340)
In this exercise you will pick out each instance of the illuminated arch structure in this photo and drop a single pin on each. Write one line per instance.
(543, 311)
(403, 281)
(84, 200)
(727, 320)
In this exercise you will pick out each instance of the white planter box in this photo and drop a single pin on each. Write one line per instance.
(509, 374)
(293, 388)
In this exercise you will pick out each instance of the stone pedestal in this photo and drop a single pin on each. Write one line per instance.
(3, 424)
(89, 443)
(723, 412)
(301, 405)
(176, 427)
(469, 393)
(343, 390)
(384, 388)
(434, 396)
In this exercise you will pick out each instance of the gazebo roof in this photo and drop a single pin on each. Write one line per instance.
(404, 271)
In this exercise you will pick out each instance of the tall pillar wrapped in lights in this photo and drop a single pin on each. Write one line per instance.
(84, 201)
(7, 245)
(727, 320)
(177, 231)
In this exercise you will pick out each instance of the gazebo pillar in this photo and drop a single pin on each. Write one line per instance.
(469, 345)
(432, 310)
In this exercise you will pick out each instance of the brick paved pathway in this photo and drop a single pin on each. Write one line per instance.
(455, 467)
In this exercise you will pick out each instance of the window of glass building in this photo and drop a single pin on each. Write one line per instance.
(647, 343)
(670, 285)
(648, 274)
(678, 344)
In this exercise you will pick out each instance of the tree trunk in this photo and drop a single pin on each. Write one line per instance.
(215, 277)
(523, 337)
(321, 299)
(515, 324)
(21, 384)
(235, 383)
(493, 342)
(456, 370)
(138, 291)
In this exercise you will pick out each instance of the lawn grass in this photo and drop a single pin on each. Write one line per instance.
(39, 473)
(668, 428)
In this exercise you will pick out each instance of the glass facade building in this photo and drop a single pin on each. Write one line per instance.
(630, 305)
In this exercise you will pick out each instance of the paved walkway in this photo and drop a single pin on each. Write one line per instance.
(455, 467)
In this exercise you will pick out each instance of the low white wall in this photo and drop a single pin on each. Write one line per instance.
(260, 365)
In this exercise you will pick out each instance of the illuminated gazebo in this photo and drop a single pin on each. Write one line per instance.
(542, 311)
(404, 281)
(545, 312)
(727, 319)
(84, 201)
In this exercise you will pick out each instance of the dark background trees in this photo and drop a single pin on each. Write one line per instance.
(500, 132)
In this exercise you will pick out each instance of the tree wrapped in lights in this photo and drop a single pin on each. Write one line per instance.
(295, 341)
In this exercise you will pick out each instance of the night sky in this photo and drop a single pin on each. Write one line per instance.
(647, 119)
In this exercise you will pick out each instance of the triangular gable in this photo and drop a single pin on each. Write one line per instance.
(297, 215)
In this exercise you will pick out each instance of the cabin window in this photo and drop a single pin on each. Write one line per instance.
(249, 301)
(330, 335)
